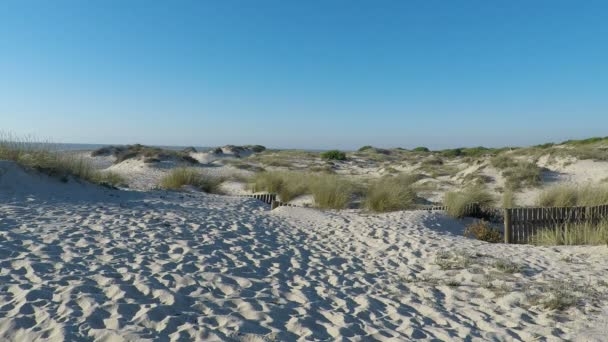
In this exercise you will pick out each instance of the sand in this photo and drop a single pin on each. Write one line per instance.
(80, 262)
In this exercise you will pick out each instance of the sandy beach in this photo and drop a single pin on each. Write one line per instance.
(79, 262)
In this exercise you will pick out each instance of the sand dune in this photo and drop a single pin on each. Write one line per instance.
(188, 266)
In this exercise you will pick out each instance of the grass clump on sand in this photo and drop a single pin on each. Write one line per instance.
(481, 230)
(181, 176)
(329, 191)
(583, 233)
(333, 155)
(457, 202)
(392, 193)
(288, 184)
(571, 195)
(43, 157)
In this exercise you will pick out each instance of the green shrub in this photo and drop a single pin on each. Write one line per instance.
(481, 230)
(181, 176)
(572, 195)
(452, 153)
(585, 233)
(458, 201)
(365, 148)
(333, 155)
(421, 149)
(391, 193)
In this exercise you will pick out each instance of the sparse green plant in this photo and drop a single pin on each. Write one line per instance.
(333, 155)
(507, 266)
(481, 230)
(391, 193)
(179, 177)
(365, 148)
(558, 295)
(457, 202)
(522, 175)
(288, 185)
(452, 260)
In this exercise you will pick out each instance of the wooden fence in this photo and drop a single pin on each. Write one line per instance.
(266, 198)
(522, 223)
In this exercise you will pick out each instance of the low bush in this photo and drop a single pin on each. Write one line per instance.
(584, 233)
(421, 149)
(330, 191)
(391, 193)
(182, 176)
(333, 155)
(572, 195)
(365, 148)
(457, 202)
(481, 230)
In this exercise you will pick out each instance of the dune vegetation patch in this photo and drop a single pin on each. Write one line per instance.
(573, 195)
(329, 191)
(183, 176)
(391, 193)
(149, 154)
(583, 233)
(44, 157)
(333, 155)
(457, 202)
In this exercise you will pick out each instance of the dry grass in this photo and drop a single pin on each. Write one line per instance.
(481, 230)
(42, 156)
(571, 195)
(182, 176)
(391, 193)
(585, 233)
(458, 201)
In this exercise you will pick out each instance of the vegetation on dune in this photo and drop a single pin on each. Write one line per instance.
(182, 176)
(421, 149)
(481, 230)
(572, 195)
(458, 201)
(149, 153)
(392, 193)
(43, 157)
(329, 191)
(518, 174)
(333, 155)
(365, 148)
(584, 233)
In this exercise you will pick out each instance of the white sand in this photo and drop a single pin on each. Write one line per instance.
(83, 263)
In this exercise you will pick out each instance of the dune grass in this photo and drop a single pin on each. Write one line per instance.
(43, 156)
(457, 201)
(329, 191)
(391, 193)
(572, 195)
(584, 233)
(182, 176)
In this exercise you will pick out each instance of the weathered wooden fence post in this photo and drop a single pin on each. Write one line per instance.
(274, 205)
(507, 225)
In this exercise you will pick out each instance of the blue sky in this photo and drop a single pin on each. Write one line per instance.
(305, 74)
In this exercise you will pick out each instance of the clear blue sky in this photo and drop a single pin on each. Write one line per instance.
(308, 74)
